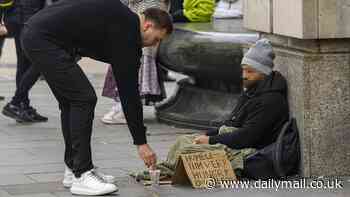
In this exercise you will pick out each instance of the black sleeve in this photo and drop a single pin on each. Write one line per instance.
(212, 132)
(125, 56)
(1, 16)
(260, 118)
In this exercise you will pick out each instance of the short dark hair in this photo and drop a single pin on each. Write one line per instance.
(160, 18)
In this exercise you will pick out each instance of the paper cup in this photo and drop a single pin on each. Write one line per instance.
(154, 174)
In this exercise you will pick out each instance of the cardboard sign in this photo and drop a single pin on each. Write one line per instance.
(197, 168)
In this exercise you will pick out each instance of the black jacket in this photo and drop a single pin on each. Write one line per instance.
(104, 30)
(259, 115)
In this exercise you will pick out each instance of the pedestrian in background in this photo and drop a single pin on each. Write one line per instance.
(150, 85)
(4, 5)
(3, 33)
(19, 107)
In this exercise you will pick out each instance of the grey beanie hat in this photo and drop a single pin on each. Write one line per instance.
(260, 56)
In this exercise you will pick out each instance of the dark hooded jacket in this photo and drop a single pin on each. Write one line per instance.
(258, 115)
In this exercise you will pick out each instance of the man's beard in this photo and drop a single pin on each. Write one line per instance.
(247, 84)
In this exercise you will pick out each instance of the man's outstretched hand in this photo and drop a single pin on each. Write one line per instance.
(3, 30)
(147, 155)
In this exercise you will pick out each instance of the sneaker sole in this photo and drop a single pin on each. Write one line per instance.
(69, 184)
(40, 120)
(111, 122)
(85, 192)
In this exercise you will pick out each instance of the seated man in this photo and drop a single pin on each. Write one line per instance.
(262, 108)
(256, 120)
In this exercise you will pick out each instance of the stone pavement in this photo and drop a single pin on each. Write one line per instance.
(31, 156)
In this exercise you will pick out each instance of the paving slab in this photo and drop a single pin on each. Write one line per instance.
(4, 194)
(34, 188)
(46, 177)
(14, 179)
(37, 195)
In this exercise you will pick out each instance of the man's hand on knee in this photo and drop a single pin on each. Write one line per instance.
(202, 139)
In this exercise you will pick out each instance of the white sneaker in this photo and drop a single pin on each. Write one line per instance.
(68, 177)
(92, 185)
(118, 118)
(107, 178)
(223, 5)
(114, 110)
(115, 116)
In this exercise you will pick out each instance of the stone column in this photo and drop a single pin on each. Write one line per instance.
(317, 69)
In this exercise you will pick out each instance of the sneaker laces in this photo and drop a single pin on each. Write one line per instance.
(96, 177)
(99, 173)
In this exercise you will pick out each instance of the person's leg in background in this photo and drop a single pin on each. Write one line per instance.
(110, 91)
(176, 11)
(2, 41)
(23, 64)
(21, 99)
(19, 108)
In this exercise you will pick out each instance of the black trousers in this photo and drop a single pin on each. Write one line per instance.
(26, 75)
(74, 93)
(176, 11)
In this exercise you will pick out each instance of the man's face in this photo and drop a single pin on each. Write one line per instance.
(151, 35)
(250, 76)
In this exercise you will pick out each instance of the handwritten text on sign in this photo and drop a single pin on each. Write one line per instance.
(202, 166)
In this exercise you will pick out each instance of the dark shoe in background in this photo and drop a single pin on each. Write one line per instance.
(23, 113)
(17, 113)
(2, 98)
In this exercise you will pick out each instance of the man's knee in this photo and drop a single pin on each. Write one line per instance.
(91, 98)
(88, 99)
